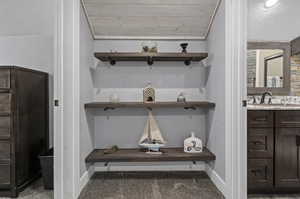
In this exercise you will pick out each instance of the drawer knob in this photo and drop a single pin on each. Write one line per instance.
(257, 143)
(256, 171)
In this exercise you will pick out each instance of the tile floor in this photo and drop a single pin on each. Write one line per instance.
(35, 191)
(150, 185)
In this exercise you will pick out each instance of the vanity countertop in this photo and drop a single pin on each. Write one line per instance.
(273, 107)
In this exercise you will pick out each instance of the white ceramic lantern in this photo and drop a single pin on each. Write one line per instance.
(193, 144)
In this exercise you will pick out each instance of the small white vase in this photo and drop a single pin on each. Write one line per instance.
(193, 144)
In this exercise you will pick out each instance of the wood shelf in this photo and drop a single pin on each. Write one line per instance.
(137, 155)
(186, 105)
(150, 58)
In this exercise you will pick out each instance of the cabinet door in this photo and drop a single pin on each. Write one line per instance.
(260, 173)
(287, 153)
(4, 78)
(260, 119)
(4, 175)
(260, 143)
(288, 119)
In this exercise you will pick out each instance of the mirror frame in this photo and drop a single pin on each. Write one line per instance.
(286, 47)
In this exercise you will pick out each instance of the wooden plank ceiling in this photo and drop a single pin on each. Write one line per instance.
(150, 18)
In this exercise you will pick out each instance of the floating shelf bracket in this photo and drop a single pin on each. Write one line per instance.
(190, 108)
(109, 108)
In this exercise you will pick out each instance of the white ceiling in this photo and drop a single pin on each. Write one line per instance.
(147, 19)
(278, 23)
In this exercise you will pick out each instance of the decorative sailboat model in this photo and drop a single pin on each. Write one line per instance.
(152, 138)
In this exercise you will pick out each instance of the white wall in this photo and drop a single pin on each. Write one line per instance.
(124, 127)
(216, 91)
(86, 91)
(27, 38)
(30, 17)
(279, 23)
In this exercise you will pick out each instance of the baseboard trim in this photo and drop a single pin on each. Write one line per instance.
(199, 166)
(84, 179)
(216, 179)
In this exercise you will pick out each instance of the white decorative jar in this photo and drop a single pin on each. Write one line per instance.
(193, 144)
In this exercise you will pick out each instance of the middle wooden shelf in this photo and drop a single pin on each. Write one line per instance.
(186, 105)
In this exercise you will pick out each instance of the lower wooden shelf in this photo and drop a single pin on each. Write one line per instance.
(136, 155)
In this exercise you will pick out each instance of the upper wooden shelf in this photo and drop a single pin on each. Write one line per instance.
(186, 105)
(150, 58)
(136, 155)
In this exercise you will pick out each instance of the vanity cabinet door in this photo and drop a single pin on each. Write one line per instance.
(260, 119)
(260, 173)
(260, 143)
(287, 157)
(288, 119)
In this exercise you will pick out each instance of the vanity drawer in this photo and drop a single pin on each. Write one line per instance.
(5, 150)
(260, 142)
(5, 100)
(5, 175)
(5, 127)
(260, 173)
(287, 118)
(260, 118)
(4, 78)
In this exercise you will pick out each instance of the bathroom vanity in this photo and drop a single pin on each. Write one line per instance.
(273, 148)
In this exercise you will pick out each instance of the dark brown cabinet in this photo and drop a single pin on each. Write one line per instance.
(287, 155)
(273, 151)
(23, 126)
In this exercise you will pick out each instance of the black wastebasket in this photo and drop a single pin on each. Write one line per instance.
(47, 169)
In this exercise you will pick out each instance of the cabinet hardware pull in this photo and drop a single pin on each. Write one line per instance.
(256, 171)
(257, 143)
(289, 122)
(261, 119)
(298, 140)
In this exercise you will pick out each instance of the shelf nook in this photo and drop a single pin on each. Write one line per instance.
(150, 58)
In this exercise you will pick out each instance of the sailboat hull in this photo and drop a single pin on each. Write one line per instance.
(152, 147)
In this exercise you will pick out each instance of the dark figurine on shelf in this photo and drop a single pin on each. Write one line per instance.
(184, 46)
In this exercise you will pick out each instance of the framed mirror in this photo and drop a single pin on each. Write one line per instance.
(268, 67)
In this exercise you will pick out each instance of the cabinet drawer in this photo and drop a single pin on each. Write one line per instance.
(4, 78)
(260, 119)
(5, 99)
(5, 127)
(4, 150)
(260, 142)
(5, 175)
(260, 173)
(287, 118)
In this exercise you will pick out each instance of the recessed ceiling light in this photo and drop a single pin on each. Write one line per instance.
(270, 3)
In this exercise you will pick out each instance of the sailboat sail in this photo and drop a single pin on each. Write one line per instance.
(152, 134)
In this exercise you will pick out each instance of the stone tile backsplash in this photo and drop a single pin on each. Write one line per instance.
(295, 75)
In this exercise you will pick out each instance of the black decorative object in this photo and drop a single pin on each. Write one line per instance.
(184, 46)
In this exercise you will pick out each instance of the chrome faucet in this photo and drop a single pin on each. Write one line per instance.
(262, 100)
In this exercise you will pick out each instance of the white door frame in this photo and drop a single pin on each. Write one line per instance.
(66, 90)
(236, 92)
(58, 138)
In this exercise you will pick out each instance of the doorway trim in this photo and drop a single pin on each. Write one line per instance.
(66, 91)
(236, 92)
